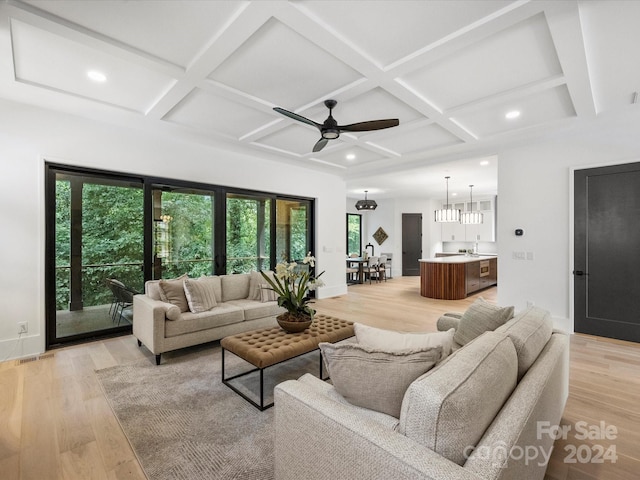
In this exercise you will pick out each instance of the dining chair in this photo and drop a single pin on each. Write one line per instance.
(382, 268)
(372, 268)
(352, 272)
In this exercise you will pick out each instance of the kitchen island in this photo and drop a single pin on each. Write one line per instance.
(455, 277)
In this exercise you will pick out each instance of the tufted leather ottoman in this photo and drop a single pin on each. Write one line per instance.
(269, 346)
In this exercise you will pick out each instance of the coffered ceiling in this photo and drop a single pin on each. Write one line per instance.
(212, 71)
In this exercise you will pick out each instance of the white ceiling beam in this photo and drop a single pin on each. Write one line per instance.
(564, 23)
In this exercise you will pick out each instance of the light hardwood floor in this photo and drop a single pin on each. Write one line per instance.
(56, 424)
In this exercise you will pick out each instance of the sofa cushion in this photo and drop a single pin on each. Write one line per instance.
(392, 341)
(235, 287)
(200, 294)
(253, 309)
(172, 291)
(480, 317)
(449, 408)
(529, 331)
(223, 314)
(373, 378)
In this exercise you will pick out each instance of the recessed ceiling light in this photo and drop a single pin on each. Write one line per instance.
(96, 76)
(512, 114)
(454, 194)
(351, 156)
(484, 163)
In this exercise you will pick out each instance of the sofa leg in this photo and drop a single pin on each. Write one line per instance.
(158, 359)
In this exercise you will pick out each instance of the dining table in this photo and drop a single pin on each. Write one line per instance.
(361, 262)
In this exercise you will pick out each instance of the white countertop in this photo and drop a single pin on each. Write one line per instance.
(457, 259)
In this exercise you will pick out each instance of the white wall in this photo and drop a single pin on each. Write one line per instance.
(535, 190)
(29, 136)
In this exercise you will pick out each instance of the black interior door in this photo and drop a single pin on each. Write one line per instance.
(607, 251)
(411, 243)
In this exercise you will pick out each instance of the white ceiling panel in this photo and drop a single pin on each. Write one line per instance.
(517, 56)
(57, 63)
(282, 67)
(342, 156)
(427, 137)
(152, 26)
(295, 139)
(389, 31)
(612, 52)
(208, 112)
(543, 107)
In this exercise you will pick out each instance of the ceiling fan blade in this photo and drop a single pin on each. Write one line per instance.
(370, 125)
(320, 144)
(297, 117)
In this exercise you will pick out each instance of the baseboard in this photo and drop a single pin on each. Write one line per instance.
(563, 324)
(21, 347)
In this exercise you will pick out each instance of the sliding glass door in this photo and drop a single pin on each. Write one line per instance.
(183, 232)
(293, 241)
(248, 233)
(98, 236)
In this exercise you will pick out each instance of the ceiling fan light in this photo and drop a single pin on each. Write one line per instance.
(330, 134)
(366, 204)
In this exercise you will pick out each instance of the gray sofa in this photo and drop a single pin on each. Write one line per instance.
(241, 306)
(470, 417)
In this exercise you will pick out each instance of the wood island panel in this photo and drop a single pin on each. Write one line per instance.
(446, 281)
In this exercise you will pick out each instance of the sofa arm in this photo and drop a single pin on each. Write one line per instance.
(148, 322)
(449, 321)
(319, 438)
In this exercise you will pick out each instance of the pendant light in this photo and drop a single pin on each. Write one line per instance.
(366, 204)
(472, 218)
(448, 214)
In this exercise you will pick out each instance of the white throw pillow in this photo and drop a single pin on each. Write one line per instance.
(392, 341)
(267, 294)
(200, 294)
(375, 379)
(480, 317)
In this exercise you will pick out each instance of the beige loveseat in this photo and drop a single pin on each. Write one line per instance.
(240, 304)
(479, 414)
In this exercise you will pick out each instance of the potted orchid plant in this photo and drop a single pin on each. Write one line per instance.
(292, 284)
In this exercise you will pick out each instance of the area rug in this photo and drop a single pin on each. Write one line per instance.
(183, 423)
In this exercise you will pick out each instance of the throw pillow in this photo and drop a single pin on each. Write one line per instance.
(480, 317)
(200, 294)
(172, 291)
(373, 378)
(392, 341)
(267, 294)
(255, 282)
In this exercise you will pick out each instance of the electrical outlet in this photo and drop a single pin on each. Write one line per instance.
(22, 328)
(530, 303)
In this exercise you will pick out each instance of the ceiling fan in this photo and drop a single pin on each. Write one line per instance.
(330, 130)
